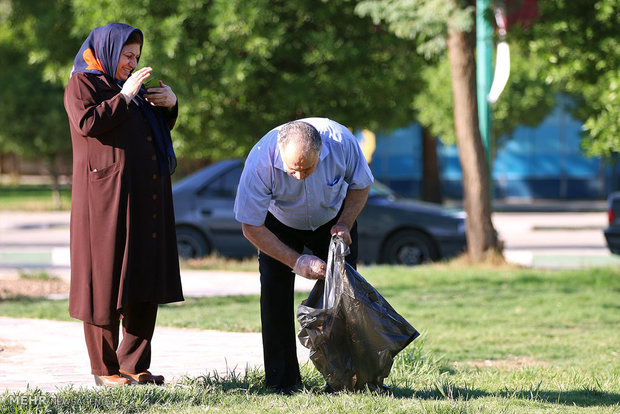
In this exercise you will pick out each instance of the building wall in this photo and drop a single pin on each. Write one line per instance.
(541, 162)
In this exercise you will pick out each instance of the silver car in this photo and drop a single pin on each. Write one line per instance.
(391, 229)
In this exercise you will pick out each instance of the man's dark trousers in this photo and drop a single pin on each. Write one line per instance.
(277, 299)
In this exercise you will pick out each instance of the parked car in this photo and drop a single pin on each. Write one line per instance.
(391, 229)
(612, 233)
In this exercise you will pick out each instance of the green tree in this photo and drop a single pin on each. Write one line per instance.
(578, 42)
(526, 99)
(243, 67)
(238, 67)
(440, 25)
(34, 50)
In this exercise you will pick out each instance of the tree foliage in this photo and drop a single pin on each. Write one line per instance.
(239, 68)
(34, 58)
(526, 99)
(577, 41)
(425, 21)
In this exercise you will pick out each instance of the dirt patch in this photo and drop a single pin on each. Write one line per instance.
(516, 362)
(8, 348)
(13, 288)
(492, 260)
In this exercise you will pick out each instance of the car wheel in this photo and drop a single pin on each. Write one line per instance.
(191, 243)
(409, 247)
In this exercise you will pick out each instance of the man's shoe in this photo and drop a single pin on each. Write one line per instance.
(111, 380)
(143, 378)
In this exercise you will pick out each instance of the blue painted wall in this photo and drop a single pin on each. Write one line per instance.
(541, 162)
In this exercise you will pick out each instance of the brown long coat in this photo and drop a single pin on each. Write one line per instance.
(123, 240)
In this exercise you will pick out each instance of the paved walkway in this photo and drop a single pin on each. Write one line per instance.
(45, 354)
(51, 354)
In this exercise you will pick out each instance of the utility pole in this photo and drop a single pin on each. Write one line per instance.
(484, 78)
(484, 74)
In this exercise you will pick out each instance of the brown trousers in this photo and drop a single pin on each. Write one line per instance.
(134, 353)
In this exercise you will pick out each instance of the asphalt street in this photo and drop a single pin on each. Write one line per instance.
(557, 239)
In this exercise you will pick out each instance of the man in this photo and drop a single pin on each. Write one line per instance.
(302, 183)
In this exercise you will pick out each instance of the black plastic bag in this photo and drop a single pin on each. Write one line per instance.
(352, 332)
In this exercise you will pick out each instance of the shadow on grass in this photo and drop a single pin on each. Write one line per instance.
(580, 398)
(251, 382)
(213, 390)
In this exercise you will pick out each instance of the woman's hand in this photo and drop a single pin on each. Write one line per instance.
(162, 96)
(134, 82)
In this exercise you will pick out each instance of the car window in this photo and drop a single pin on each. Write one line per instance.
(378, 189)
(224, 186)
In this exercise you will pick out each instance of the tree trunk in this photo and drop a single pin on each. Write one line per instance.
(431, 189)
(55, 176)
(56, 192)
(481, 236)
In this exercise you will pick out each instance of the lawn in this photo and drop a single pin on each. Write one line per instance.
(32, 198)
(494, 340)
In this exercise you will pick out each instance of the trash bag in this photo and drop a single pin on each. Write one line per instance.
(352, 332)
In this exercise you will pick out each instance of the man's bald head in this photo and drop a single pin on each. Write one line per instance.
(300, 147)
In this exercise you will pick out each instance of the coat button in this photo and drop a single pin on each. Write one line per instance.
(154, 157)
(154, 235)
(154, 196)
(154, 176)
(149, 139)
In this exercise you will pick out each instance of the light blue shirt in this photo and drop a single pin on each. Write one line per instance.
(307, 204)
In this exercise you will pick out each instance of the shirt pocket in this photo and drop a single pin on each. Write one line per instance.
(334, 192)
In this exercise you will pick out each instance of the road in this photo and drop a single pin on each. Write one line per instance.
(555, 239)
(540, 239)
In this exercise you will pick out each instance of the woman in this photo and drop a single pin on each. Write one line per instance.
(124, 259)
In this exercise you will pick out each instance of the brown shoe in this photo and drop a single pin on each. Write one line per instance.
(111, 380)
(143, 378)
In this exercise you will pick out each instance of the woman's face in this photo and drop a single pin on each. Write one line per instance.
(127, 62)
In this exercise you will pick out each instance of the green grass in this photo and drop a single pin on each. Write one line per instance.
(35, 275)
(217, 262)
(32, 198)
(504, 340)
